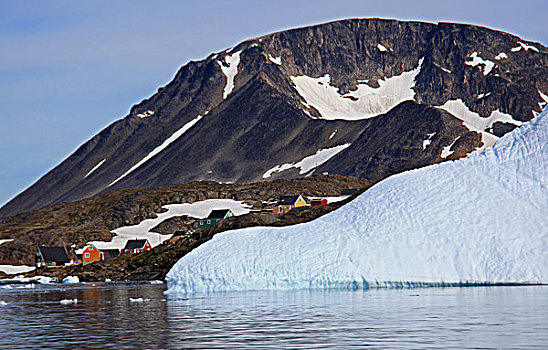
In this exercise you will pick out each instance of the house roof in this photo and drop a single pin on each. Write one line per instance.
(110, 253)
(54, 254)
(287, 200)
(218, 214)
(135, 243)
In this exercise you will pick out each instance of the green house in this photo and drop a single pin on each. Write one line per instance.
(214, 217)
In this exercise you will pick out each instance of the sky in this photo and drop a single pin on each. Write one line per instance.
(70, 68)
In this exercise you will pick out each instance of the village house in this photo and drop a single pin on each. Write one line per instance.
(318, 201)
(286, 203)
(51, 256)
(214, 217)
(91, 254)
(134, 246)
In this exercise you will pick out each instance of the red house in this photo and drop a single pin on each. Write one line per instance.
(135, 246)
(322, 201)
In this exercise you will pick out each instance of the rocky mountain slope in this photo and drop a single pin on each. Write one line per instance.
(93, 219)
(360, 97)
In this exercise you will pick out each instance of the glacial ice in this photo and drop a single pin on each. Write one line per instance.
(476, 220)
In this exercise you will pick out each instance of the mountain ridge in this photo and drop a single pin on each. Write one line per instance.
(353, 53)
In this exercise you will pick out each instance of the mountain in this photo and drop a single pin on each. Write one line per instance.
(360, 97)
(478, 220)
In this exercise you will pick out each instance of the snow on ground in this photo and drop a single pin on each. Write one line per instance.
(330, 200)
(543, 96)
(477, 60)
(362, 103)
(160, 148)
(428, 141)
(145, 114)
(524, 46)
(501, 56)
(15, 269)
(446, 151)
(480, 96)
(332, 134)
(382, 48)
(480, 219)
(276, 60)
(95, 168)
(474, 122)
(230, 72)
(2, 241)
(310, 162)
(142, 230)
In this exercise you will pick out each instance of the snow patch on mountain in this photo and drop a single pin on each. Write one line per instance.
(442, 68)
(160, 148)
(310, 162)
(501, 56)
(143, 230)
(230, 70)
(524, 46)
(95, 168)
(275, 60)
(332, 134)
(477, 60)
(145, 114)
(480, 219)
(362, 103)
(428, 141)
(474, 122)
(446, 151)
(382, 48)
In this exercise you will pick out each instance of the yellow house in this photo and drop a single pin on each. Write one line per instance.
(286, 203)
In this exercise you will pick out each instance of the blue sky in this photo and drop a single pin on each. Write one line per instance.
(70, 68)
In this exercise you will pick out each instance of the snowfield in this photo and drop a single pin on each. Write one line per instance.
(143, 230)
(363, 103)
(480, 219)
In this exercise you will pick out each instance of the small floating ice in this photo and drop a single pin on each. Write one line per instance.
(3, 303)
(68, 301)
(71, 279)
(138, 300)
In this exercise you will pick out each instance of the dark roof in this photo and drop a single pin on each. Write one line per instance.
(349, 191)
(218, 214)
(135, 243)
(54, 254)
(110, 253)
(287, 200)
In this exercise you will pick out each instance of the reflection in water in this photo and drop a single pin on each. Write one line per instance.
(432, 318)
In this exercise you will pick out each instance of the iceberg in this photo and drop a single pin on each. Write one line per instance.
(475, 221)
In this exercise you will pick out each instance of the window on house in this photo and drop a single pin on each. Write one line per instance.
(90, 248)
(209, 221)
(201, 222)
(86, 255)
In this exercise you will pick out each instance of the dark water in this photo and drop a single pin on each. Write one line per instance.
(430, 318)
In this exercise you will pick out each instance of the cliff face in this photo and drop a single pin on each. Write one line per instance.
(258, 110)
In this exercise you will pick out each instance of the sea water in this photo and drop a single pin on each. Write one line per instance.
(141, 316)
